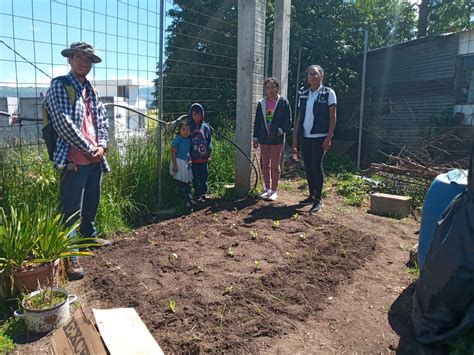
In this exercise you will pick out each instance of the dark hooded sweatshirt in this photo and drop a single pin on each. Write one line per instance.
(200, 137)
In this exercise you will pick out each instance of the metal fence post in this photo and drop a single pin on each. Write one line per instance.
(362, 98)
(160, 109)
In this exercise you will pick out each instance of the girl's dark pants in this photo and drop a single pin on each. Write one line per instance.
(184, 190)
(200, 176)
(313, 155)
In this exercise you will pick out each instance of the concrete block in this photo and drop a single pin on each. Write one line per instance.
(390, 205)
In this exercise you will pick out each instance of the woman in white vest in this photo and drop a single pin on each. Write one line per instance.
(314, 128)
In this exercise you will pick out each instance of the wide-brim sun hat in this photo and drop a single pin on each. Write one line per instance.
(81, 47)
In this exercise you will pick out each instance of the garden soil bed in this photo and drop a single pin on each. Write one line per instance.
(333, 281)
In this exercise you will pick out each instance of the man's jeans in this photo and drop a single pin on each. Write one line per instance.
(200, 175)
(79, 190)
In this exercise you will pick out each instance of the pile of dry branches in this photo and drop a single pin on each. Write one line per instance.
(406, 166)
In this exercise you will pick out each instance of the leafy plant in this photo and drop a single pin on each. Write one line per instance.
(276, 224)
(230, 252)
(286, 186)
(257, 265)
(17, 238)
(55, 238)
(414, 271)
(338, 163)
(8, 330)
(353, 188)
(172, 305)
(253, 235)
(229, 290)
(6, 344)
(47, 298)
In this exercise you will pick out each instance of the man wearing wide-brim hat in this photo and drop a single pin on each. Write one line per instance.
(82, 129)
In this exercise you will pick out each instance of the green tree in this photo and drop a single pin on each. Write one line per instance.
(201, 58)
(441, 16)
(330, 34)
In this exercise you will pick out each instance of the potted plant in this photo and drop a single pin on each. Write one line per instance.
(16, 240)
(45, 309)
(33, 243)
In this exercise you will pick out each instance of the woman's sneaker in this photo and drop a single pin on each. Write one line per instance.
(272, 196)
(317, 206)
(307, 201)
(265, 193)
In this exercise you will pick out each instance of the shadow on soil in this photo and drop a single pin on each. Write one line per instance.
(272, 212)
(399, 317)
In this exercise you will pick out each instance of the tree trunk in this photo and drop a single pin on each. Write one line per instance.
(423, 14)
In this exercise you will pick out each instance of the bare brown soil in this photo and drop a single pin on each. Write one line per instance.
(334, 281)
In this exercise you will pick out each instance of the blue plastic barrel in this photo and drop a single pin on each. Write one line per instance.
(440, 194)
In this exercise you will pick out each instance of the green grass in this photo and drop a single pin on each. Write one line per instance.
(286, 186)
(414, 271)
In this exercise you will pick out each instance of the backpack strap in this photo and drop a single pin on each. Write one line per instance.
(71, 94)
(70, 91)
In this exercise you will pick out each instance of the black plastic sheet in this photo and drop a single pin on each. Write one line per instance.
(443, 304)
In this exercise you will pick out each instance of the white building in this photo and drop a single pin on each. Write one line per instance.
(123, 123)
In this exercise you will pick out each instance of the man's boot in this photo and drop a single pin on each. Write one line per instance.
(74, 271)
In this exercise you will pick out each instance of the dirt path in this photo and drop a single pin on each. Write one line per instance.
(242, 282)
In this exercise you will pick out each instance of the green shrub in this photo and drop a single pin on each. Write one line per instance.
(353, 188)
(338, 163)
(129, 191)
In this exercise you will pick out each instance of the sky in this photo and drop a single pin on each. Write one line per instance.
(124, 32)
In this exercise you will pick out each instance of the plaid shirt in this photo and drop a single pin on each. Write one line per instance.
(67, 120)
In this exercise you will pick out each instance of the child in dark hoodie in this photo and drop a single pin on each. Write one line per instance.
(200, 150)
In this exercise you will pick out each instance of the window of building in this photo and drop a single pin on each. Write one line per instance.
(122, 91)
(465, 79)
